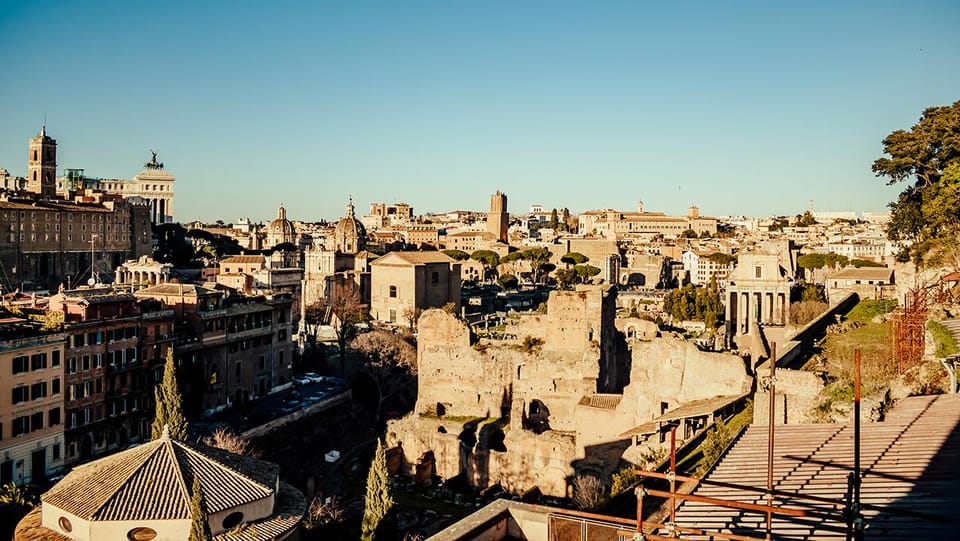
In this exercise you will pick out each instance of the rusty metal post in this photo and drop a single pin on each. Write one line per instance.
(673, 480)
(857, 521)
(639, 492)
(772, 389)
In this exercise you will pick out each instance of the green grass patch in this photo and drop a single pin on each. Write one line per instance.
(866, 310)
(708, 452)
(946, 342)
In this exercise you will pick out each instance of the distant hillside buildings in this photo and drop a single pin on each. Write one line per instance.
(67, 231)
(616, 224)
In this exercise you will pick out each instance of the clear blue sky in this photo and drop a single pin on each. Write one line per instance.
(751, 108)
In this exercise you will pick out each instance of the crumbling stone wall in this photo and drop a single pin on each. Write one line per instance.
(675, 371)
(797, 394)
(497, 412)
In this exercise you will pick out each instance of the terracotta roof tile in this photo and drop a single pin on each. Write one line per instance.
(151, 482)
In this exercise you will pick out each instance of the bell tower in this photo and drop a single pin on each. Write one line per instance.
(42, 165)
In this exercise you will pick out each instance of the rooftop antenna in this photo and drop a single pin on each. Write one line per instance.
(43, 127)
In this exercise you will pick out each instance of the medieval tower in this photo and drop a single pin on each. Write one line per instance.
(497, 218)
(42, 165)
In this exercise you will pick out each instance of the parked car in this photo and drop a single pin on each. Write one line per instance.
(313, 377)
(301, 380)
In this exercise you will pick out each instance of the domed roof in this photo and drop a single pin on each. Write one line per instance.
(282, 225)
(349, 236)
(153, 482)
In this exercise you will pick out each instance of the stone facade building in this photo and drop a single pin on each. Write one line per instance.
(616, 224)
(49, 242)
(758, 291)
(231, 349)
(114, 354)
(153, 187)
(406, 282)
(31, 401)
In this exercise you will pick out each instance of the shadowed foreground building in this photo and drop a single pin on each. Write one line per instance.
(144, 493)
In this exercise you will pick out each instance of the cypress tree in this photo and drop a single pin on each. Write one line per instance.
(159, 415)
(199, 525)
(169, 404)
(379, 501)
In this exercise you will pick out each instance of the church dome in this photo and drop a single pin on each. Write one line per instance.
(350, 236)
(281, 230)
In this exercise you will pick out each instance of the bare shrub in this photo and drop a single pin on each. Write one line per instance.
(588, 492)
(324, 511)
(804, 312)
(381, 348)
(223, 438)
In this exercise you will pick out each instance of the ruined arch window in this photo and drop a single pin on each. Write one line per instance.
(535, 407)
(233, 519)
(141, 534)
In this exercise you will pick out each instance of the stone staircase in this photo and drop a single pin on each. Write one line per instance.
(953, 325)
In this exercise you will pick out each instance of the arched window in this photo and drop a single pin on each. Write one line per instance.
(233, 519)
(141, 534)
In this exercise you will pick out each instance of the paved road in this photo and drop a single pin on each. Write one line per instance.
(270, 407)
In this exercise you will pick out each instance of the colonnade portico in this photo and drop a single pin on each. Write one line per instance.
(745, 308)
(143, 272)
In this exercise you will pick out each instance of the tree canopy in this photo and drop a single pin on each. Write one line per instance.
(379, 501)
(458, 255)
(169, 404)
(927, 157)
(691, 303)
(722, 258)
(508, 281)
(574, 258)
(805, 220)
(819, 261)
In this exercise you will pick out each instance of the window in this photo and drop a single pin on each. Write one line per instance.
(239, 369)
(393, 292)
(233, 519)
(393, 316)
(263, 362)
(55, 386)
(86, 362)
(38, 390)
(21, 425)
(141, 534)
(21, 394)
(20, 364)
(38, 361)
(78, 341)
(435, 278)
(758, 271)
(56, 449)
(72, 365)
(53, 418)
(55, 358)
(36, 421)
